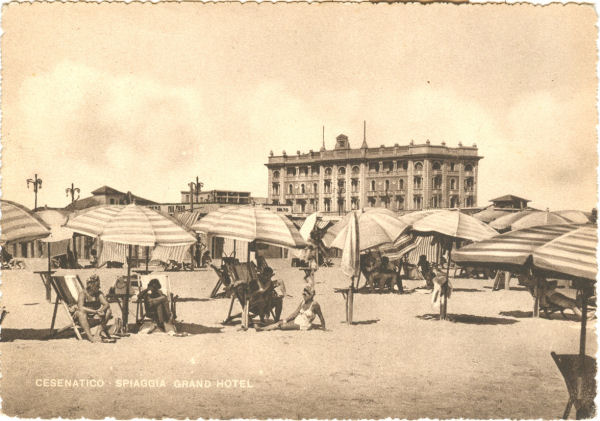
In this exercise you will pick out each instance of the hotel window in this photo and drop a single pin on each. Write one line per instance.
(417, 202)
(419, 166)
(341, 185)
(417, 182)
(437, 166)
(302, 189)
(374, 166)
(291, 171)
(276, 174)
(388, 166)
(452, 166)
(355, 170)
(327, 172)
(327, 186)
(401, 184)
(315, 188)
(437, 182)
(341, 171)
(304, 171)
(354, 185)
(403, 165)
(453, 184)
(399, 202)
(314, 169)
(387, 185)
(371, 201)
(327, 205)
(468, 168)
(276, 189)
(290, 189)
(372, 185)
(469, 184)
(470, 202)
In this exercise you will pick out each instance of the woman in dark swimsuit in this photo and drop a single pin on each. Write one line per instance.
(92, 305)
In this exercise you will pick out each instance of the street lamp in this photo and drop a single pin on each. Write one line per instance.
(195, 188)
(37, 184)
(72, 191)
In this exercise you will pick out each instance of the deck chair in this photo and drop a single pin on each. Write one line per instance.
(143, 313)
(67, 290)
(223, 281)
(582, 398)
(255, 296)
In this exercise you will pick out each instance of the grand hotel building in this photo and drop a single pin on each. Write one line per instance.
(397, 177)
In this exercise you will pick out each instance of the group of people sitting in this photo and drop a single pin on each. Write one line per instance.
(380, 273)
(94, 309)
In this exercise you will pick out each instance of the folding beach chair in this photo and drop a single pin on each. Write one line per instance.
(257, 298)
(581, 384)
(143, 312)
(67, 290)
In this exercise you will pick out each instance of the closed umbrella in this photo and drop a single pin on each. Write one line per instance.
(453, 225)
(131, 225)
(20, 224)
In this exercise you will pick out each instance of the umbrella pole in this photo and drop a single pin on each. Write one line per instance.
(126, 302)
(582, 334)
(147, 257)
(48, 290)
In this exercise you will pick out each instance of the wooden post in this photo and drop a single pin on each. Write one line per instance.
(445, 289)
(581, 374)
(536, 293)
(128, 283)
(147, 257)
(47, 284)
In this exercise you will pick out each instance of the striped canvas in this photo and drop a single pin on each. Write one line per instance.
(376, 227)
(131, 224)
(511, 248)
(113, 252)
(167, 253)
(424, 245)
(404, 244)
(249, 223)
(187, 219)
(454, 224)
(505, 222)
(535, 219)
(490, 214)
(572, 253)
(20, 224)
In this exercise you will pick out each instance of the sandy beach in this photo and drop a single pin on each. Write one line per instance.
(491, 360)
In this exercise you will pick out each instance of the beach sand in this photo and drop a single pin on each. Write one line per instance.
(491, 360)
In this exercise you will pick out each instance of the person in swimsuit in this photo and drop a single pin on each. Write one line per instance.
(157, 305)
(309, 272)
(92, 306)
(302, 318)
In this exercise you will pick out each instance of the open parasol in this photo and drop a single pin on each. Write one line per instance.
(20, 224)
(131, 225)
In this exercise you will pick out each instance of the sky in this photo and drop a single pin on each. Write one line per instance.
(145, 97)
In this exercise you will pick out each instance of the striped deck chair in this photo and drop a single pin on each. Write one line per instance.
(67, 290)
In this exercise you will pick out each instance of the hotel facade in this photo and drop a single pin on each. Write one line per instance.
(410, 177)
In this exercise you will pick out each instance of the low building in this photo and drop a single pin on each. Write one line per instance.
(217, 196)
(106, 195)
(509, 201)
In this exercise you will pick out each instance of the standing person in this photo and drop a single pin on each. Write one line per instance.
(309, 273)
(303, 317)
(92, 306)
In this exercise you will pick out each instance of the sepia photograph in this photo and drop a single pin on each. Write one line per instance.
(298, 210)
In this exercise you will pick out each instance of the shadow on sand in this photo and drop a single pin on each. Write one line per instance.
(191, 299)
(196, 329)
(365, 322)
(519, 314)
(467, 290)
(470, 319)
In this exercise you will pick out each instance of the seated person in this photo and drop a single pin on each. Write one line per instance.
(426, 271)
(549, 296)
(302, 318)
(92, 306)
(157, 305)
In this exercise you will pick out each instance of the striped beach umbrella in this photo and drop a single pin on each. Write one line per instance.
(572, 253)
(537, 218)
(490, 214)
(454, 224)
(20, 224)
(130, 224)
(250, 223)
(404, 244)
(512, 249)
(505, 222)
(376, 226)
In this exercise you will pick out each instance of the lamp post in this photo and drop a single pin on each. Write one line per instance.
(37, 184)
(195, 188)
(72, 191)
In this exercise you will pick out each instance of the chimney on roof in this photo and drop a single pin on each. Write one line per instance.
(364, 143)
